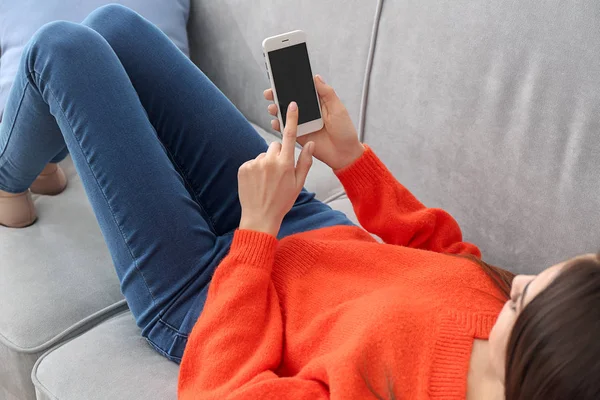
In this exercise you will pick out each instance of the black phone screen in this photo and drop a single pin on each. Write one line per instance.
(294, 82)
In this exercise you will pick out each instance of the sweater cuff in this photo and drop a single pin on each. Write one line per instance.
(253, 247)
(362, 173)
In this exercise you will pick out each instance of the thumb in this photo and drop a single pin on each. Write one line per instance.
(326, 92)
(304, 163)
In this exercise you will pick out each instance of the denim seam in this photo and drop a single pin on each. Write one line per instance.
(183, 173)
(9, 189)
(12, 126)
(30, 76)
(10, 132)
(176, 331)
(161, 351)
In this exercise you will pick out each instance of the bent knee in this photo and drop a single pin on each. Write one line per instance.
(62, 38)
(113, 15)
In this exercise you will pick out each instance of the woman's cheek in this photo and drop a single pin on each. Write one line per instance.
(499, 339)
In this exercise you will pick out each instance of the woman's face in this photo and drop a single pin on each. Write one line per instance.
(524, 289)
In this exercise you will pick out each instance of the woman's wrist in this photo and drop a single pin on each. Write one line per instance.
(260, 225)
(349, 159)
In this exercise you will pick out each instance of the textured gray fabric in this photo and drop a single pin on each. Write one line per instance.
(111, 361)
(489, 109)
(227, 37)
(57, 280)
(15, 374)
(368, 69)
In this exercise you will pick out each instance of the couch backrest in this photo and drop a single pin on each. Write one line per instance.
(485, 108)
(226, 37)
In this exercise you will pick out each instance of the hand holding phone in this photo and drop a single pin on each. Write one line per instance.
(336, 144)
(269, 185)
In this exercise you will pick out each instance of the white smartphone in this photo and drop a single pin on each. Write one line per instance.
(290, 74)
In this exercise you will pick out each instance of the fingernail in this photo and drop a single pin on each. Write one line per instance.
(311, 147)
(321, 78)
(293, 106)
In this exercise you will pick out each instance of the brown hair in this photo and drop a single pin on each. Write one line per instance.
(554, 349)
(501, 277)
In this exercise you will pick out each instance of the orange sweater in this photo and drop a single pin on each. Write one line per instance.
(333, 314)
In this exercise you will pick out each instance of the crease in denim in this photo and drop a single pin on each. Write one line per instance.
(183, 173)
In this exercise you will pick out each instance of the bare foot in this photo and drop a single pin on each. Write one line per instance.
(16, 209)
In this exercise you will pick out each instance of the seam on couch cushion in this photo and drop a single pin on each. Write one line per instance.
(334, 196)
(36, 382)
(79, 327)
(365, 90)
(368, 68)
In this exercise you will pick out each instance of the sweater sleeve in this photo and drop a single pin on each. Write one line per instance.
(389, 210)
(237, 342)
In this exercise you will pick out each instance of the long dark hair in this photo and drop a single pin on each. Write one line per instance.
(501, 277)
(554, 349)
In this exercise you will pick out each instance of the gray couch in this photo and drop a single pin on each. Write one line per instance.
(486, 108)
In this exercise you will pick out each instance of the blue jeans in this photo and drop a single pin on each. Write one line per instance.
(157, 147)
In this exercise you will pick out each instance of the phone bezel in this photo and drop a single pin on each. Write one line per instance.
(281, 42)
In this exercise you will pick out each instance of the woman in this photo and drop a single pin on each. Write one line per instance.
(303, 304)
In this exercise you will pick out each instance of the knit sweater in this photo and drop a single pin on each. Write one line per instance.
(334, 314)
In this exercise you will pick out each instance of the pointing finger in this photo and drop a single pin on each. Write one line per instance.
(289, 133)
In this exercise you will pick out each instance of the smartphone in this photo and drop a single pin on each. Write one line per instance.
(290, 74)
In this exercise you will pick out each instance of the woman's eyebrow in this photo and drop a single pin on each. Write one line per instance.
(525, 293)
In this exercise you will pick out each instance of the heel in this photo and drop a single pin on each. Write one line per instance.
(17, 210)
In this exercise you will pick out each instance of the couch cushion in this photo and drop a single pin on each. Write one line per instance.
(489, 109)
(22, 19)
(57, 281)
(111, 361)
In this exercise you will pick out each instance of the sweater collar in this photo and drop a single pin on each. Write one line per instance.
(452, 351)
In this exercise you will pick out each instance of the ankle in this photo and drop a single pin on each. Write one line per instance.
(10, 194)
(51, 181)
(49, 169)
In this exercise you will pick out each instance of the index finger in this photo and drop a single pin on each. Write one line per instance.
(289, 133)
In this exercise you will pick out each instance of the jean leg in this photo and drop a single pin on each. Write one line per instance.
(208, 138)
(156, 233)
(24, 155)
(60, 156)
